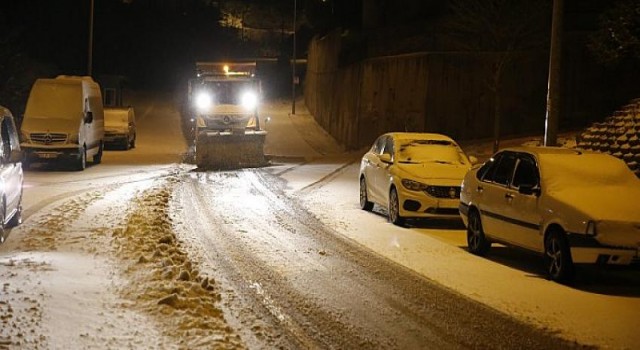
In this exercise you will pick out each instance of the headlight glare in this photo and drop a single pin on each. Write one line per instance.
(203, 101)
(249, 100)
(413, 185)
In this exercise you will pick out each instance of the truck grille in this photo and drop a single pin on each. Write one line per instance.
(48, 139)
(444, 191)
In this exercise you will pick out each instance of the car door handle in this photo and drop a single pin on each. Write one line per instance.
(479, 189)
(508, 196)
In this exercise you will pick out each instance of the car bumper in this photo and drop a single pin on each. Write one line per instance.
(420, 205)
(116, 138)
(587, 250)
(37, 154)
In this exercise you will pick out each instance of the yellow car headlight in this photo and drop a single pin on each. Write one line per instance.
(413, 185)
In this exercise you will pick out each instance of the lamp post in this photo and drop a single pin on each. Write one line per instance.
(553, 93)
(90, 59)
(293, 61)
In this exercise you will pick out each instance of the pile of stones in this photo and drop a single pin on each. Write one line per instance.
(618, 135)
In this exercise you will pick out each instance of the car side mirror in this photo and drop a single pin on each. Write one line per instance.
(473, 160)
(88, 117)
(385, 158)
(529, 189)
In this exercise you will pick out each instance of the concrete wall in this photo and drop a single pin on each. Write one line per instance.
(424, 92)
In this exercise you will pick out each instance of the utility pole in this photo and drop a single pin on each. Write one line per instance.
(293, 61)
(90, 59)
(553, 92)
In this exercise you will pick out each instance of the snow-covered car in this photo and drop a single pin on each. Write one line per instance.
(413, 175)
(120, 127)
(572, 206)
(11, 175)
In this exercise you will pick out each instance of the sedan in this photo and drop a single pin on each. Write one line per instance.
(413, 175)
(571, 206)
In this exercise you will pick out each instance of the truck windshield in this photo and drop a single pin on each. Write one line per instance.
(229, 92)
(55, 101)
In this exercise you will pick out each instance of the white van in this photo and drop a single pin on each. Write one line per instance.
(63, 121)
(120, 127)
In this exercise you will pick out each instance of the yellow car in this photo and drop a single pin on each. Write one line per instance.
(413, 175)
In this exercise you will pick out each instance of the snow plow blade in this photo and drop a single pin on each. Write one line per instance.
(227, 150)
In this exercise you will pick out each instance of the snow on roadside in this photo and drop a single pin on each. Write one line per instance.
(163, 282)
(104, 270)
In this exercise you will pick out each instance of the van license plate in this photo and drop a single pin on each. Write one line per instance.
(48, 155)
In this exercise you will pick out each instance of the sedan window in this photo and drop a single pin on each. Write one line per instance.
(378, 146)
(501, 170)
(526, 173)
(388, 146)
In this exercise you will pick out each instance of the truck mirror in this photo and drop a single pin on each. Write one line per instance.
(88, 117)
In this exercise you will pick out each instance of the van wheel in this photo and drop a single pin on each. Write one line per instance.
(98, 157)
(82, 160)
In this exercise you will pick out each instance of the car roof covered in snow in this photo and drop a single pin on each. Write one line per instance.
(418, 136)
(562, 167)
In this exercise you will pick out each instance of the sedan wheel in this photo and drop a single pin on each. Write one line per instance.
(364, 199)
(558, 258)
(476, 240)
(394, 208)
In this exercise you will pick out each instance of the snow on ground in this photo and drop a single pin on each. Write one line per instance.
(96, 263)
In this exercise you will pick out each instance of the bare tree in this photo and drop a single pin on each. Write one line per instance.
(499, 32)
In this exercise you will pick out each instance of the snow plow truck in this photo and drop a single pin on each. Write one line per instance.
(225, 99)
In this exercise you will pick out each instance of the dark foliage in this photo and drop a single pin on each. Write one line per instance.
(618, 36)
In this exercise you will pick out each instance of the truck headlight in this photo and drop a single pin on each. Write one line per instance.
(203, 101)
(249, 100)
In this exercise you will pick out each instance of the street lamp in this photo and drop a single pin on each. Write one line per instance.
(293, 61)
(90, 59)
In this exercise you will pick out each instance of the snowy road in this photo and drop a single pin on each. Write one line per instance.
(144, 251)
(303, 286)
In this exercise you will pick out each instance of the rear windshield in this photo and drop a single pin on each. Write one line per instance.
(425, 151)
(116, 117)
(55, 101)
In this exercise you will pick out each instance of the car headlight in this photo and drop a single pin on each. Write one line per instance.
(249, 100)
(591, 229)
(203, 101)
(413, 185)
